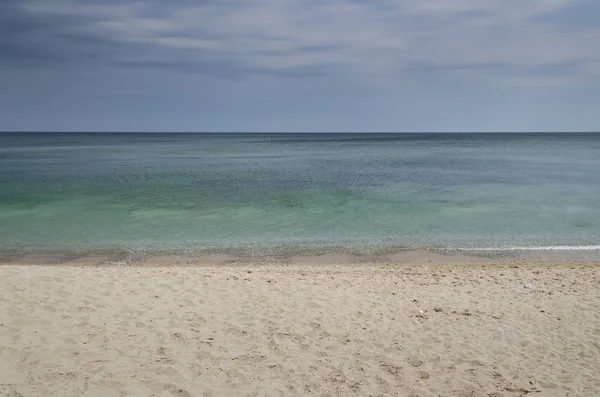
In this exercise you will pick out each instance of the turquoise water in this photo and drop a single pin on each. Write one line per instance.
(198, 192)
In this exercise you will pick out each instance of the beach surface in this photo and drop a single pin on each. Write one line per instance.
(323, 327)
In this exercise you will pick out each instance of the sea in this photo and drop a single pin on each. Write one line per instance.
(298, 193)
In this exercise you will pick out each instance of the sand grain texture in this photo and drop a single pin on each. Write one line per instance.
(329, 330)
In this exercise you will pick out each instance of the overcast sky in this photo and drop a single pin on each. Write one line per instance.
(300, 65)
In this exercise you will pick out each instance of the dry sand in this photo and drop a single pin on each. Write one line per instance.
(278, 330)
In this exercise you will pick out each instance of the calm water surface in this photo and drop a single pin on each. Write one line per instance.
(195, 192)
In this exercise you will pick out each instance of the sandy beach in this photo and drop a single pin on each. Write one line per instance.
(330, 329)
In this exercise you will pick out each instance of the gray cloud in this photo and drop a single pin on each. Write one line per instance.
(580, 15)
(506, 41)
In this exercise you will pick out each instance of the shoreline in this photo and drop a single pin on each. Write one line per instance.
(351, 257)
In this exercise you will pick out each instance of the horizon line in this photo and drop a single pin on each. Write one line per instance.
(292, 132)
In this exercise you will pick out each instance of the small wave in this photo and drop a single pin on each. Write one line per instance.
(539, 248)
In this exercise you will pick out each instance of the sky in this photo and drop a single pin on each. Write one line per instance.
(300, 65)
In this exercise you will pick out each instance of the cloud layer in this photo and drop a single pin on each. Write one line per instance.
(504, 43)
(510, 40)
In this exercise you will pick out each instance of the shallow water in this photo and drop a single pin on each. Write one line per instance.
(268, 193)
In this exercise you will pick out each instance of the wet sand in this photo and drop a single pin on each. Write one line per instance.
(413, 257)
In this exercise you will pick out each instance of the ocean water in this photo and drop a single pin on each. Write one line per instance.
(269, 193)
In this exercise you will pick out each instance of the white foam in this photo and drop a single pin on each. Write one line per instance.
(540, 248)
